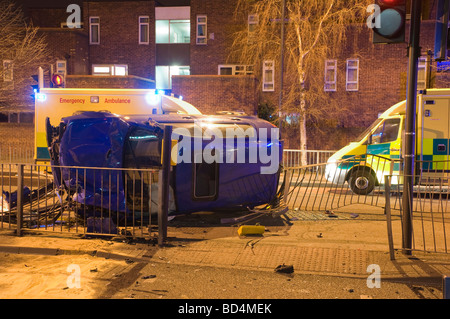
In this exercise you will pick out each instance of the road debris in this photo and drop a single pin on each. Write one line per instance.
(251, 230)
(285, 269)
(331, 214)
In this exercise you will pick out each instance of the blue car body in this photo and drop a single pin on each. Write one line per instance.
(119, 143)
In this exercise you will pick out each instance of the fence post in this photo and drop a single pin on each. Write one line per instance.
(19, 199)
(387, 191)
(163, 189)
(287, 184)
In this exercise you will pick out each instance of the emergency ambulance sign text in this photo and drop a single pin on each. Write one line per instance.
(71, 101)
(83, 101)
(117, 100)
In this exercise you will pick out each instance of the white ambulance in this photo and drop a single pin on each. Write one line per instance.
(56, 103)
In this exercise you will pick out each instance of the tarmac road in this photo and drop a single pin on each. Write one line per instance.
(205, 261)
(168, 281)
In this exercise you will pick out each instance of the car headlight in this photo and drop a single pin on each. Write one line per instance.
(330, 169)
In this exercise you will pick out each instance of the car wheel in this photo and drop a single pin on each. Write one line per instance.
(361, 182)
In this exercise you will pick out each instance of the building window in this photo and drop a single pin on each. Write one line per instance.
(26, 117)
(201, 29)
(8, 75)
(253, 20)
(235, 69)
(94, 30)
(163, 75)
(173, 31)
(268, 76)
(144, 30)
(330, 75)
(61, 67)
(4, 117)
(352, 75)
(110, 69)
(16, 117)
(422, 73)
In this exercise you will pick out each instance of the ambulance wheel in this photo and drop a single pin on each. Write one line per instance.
(361, 182)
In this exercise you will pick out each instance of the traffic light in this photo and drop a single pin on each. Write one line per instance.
(39, 78)
(57, 80)
(441, 34)
(392, 16)
(35, 87)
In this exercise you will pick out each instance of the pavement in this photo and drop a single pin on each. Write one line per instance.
(348, 243)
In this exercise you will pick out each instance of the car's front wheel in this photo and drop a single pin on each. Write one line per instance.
(361, 182)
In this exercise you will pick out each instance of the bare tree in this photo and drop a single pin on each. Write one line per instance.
(314, 30)
(22, 49)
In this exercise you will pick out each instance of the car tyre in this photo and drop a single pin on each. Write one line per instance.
(361, 182)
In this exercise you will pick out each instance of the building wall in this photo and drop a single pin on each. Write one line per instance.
(70, 45)
(119, 35)
(114, 82)
(220, 27)
(211, 94)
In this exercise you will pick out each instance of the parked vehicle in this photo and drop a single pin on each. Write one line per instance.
(378, 150)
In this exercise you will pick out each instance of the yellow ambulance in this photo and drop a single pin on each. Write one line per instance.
(377, 152)
(56, 103)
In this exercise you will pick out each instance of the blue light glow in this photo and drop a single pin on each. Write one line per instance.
(40, 97)
(152, 98)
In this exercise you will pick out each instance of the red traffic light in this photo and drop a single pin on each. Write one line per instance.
(391, 2)
(57, 80)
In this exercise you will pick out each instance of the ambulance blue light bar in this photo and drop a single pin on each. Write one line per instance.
(39, 96)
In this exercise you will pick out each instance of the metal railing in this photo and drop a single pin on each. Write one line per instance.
(90, 200)
(17, 153)
(307, 188)
(430, 216)
(296, 158)
(326, 186)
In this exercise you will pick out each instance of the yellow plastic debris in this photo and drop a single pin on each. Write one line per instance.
(251, 230)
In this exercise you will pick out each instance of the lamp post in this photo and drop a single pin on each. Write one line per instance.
(280, 98)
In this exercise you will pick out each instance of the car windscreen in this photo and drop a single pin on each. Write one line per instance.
(143, 148)
(368, 130)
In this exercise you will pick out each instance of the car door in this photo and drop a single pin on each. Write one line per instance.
(385, 145)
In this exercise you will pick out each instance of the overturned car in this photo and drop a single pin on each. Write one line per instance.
(106, 161)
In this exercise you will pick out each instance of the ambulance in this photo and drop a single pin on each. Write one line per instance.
(57, 103)
(377, 152)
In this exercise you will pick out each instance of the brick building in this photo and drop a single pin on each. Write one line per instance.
(182, 46)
